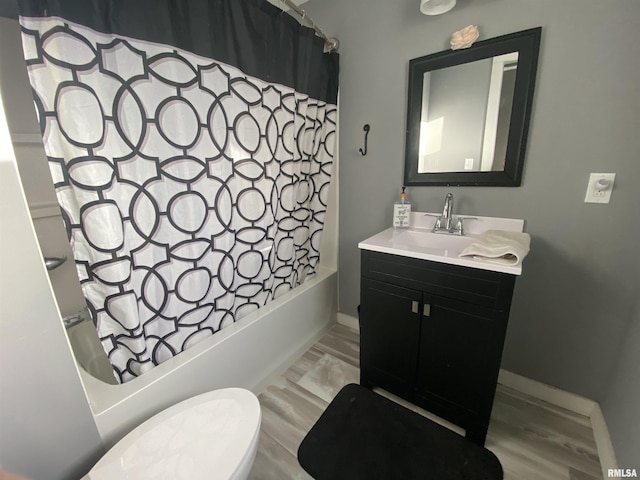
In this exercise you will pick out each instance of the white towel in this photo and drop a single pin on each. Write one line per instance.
(499, 246)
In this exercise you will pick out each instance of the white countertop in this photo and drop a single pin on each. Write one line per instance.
(419, 242)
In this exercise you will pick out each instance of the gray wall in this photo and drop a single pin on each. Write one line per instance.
(620, 405)
(575, 299)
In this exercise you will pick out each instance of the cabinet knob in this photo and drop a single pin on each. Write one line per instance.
(414, 307)
(426, 310)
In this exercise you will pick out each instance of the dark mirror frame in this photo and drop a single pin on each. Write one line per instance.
(527, 44)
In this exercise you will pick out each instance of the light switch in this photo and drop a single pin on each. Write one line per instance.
(599, 188)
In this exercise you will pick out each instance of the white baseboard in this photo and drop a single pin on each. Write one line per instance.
(348, 321)
(539, 390)
(547, 393)
(572, 402)
(603, 440)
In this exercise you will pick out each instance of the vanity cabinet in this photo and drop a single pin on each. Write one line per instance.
(432, 333)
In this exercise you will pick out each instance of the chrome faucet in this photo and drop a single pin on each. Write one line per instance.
(446, 211)
(446, 223)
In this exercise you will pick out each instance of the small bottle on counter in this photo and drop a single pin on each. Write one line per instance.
(402, 211)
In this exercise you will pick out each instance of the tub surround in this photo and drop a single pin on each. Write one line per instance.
(265, 342)
(92, 414)
(246, 354)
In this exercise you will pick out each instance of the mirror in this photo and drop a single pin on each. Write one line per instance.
(468, 112)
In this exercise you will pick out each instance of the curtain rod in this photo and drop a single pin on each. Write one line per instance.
(330, 44)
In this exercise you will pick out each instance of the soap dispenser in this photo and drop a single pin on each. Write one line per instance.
(402, 211)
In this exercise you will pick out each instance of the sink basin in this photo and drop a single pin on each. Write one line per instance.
(420, 242)
(420, 238)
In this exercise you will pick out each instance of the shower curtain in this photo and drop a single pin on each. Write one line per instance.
(191, 145)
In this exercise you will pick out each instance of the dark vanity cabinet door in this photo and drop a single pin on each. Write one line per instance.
(433, 334)
(389, 343)
(459, 359)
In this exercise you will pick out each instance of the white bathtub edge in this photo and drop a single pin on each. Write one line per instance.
(248, 354)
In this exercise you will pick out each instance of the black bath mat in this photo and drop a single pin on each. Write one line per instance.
(363, 435)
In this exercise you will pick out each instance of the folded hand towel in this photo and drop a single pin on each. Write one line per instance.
(499, 246)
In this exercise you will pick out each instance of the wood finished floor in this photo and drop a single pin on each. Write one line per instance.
(531, 438)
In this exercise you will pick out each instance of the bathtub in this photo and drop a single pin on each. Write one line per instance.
(249, 354)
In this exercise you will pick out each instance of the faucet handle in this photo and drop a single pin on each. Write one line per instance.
(458, 229)
(437, 217)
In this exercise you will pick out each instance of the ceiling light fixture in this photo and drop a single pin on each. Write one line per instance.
(436, 7)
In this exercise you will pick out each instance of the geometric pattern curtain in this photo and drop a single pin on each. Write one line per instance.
(192, 193)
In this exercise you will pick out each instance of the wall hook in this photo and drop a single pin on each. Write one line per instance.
(366, 129)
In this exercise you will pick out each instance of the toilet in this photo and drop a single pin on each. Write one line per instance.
(209, 436)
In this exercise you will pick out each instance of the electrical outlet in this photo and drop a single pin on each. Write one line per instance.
(599, 187)
(468, 163)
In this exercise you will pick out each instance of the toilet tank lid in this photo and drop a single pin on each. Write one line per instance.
(206, 436)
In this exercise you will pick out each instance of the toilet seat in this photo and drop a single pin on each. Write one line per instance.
(210, 436)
